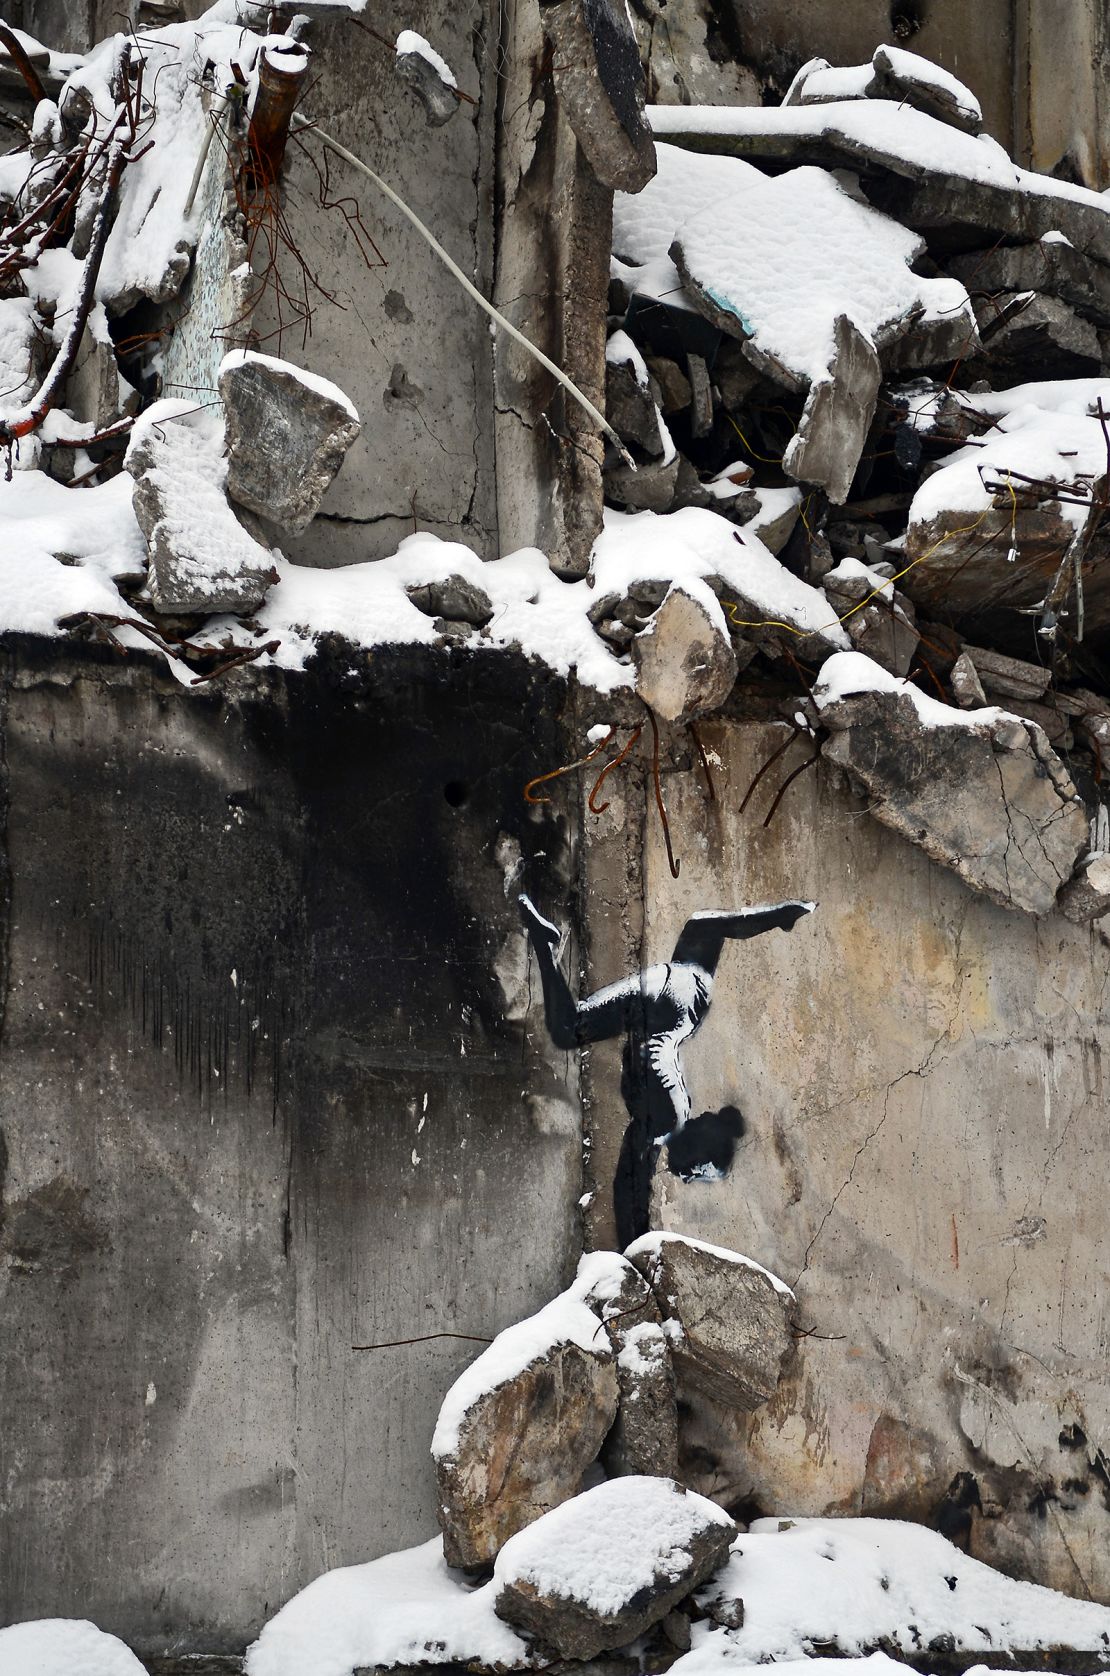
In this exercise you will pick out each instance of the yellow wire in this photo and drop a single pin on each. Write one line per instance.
(770, 622)
(768, 459)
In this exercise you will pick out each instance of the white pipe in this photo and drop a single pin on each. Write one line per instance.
(499, 319)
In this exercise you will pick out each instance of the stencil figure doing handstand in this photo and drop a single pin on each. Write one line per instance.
(659, 1010)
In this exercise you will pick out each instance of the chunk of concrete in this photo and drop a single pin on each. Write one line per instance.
(598, 78)
(684, 658)
(675, 394)
(701, 408)
(644, 1438)
(727, 1318)
(454, 598)
(1006, 677)
(631, 406)
(988, 798)
(967, 689)
(437, 95)
(201, 557)
(288, 433)
(520, 1426)
(1086, 896)
(879, 620)
(651, 487)
(837, 416)
(598, 1572)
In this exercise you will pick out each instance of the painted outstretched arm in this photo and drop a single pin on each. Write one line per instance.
(573, 1023)
(703, 936)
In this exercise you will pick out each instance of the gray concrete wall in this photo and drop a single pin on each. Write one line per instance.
(921, 1076)
(267, 1091)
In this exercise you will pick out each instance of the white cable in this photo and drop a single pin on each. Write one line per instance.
(499, 319)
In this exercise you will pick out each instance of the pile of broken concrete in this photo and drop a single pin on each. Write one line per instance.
(855, 329)
(586, 1390)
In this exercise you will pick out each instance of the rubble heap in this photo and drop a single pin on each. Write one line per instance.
(564, 1496)
(855, 330)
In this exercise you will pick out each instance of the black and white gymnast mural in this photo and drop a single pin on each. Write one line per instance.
(657, 1012)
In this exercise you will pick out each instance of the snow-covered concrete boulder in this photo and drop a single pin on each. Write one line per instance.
(644, 1438)
(64, 1647)
(907, 78)
(600, 1570)
(201, 557)
(684, 658)
(288, 433)
(980, 791)
(520, 1426)
(728, 1319)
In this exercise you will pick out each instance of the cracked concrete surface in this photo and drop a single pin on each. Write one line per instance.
(920, 1073)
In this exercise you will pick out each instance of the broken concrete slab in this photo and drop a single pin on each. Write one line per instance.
(520, 1426)
(288, 433)
(684, 658)
(837, 416)
(701, 406)
(982, 793)
(674, 386)
(1009, 677)
(598, 78)
(632, 398)
(201, 557)
(1086, 895)
(909, 79)
(972, 197)
(93, 387)
(729, 1318)
(644, 1438)
(1051, 266)
(1036, 332)
(601, 1570)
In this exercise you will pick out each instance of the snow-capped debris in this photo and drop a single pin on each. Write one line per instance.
(849, 1585)
(781, 261)
(880, 621)
(731, 1316)
(980, 791)
(684, 658)
(407, 1609)
(599, 83)
(1051, 266)
(520, 1426)
(1019, 329)
(288, 433)
(429, 76)
(201, 557)
(597, 1572)
(64, 1647)
(632, 399)
(909, 79)
(945, 175)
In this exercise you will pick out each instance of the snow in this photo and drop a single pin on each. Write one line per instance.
(409, 41)
(607, 1544)
(824, 83)
(311, 380)
(565, 1320)
(1044, 430)
(856, 1583)
(687, 185)
(64, 1647)
(785, 260)
(910, 140)
(95, 530)
(408, 1609)
(847, 673)
(651, 1245)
